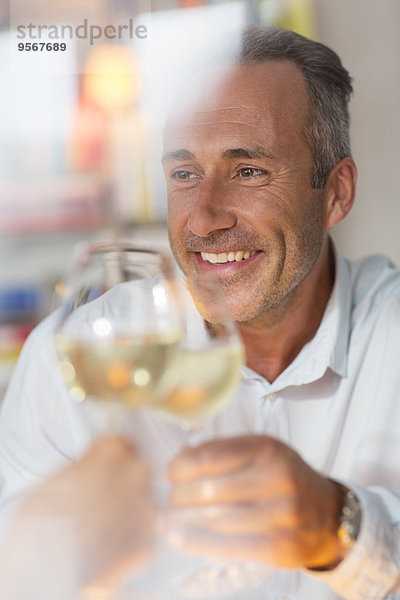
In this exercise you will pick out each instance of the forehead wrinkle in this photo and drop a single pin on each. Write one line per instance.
(252, 110)
(233, 107)
(220, 122)
(246, 132)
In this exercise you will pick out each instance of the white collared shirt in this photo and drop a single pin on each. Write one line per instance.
(337, 404)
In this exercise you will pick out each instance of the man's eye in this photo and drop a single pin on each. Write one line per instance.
(248, 172)
(184, 175)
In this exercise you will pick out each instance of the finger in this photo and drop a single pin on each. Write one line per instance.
(110, 448)
(275, 550)
(115, 453)
(260, 518)
(110, 463)
(216, 457)
(203, 543)
(250, 484)
(279, 546)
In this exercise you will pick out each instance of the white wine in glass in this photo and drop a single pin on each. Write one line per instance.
(211, 354)
(119, 332)
(205, 381)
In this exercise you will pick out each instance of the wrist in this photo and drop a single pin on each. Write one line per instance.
(348, 525)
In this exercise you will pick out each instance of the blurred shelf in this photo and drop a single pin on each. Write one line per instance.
(55, 204)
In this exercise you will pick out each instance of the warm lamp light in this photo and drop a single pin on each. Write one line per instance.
(111, 78)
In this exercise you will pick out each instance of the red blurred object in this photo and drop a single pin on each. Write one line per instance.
(89, 143)
(190, 3)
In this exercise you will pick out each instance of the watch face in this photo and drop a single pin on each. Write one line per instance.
(350, 520)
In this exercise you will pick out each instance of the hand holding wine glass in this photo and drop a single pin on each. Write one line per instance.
(207, 374)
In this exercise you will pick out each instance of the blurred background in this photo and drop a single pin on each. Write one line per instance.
(80, 127)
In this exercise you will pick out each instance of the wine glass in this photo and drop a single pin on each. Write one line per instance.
(211, 353)
(119, 331)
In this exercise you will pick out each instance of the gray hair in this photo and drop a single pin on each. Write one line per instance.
(329, 87)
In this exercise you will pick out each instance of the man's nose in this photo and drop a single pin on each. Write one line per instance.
(211, 210)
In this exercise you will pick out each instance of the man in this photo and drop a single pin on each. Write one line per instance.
(258, 170)
(262, 166)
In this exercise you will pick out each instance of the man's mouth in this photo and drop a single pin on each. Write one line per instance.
(227, 257)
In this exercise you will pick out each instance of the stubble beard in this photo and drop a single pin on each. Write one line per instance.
(288, 276)
(274, 297)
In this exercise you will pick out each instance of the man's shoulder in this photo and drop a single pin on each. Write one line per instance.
(374, 278)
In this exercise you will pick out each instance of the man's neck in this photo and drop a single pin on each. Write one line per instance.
(273, 340)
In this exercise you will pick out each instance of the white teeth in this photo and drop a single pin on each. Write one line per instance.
(224, 257)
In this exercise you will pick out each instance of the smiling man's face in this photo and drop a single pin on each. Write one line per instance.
(240, 203)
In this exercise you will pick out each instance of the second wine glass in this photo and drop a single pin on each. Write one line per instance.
(211, 354)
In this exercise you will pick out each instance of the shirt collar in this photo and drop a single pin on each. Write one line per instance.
(328, 348)
(341, 298)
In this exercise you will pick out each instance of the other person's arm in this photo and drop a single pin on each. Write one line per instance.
(91, 520)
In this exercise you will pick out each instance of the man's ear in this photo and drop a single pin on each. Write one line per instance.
(340, 191)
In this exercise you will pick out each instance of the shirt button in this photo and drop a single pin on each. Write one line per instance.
(272, 397)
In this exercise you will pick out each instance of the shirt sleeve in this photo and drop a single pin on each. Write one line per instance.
(39, 427)
(371, 570)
